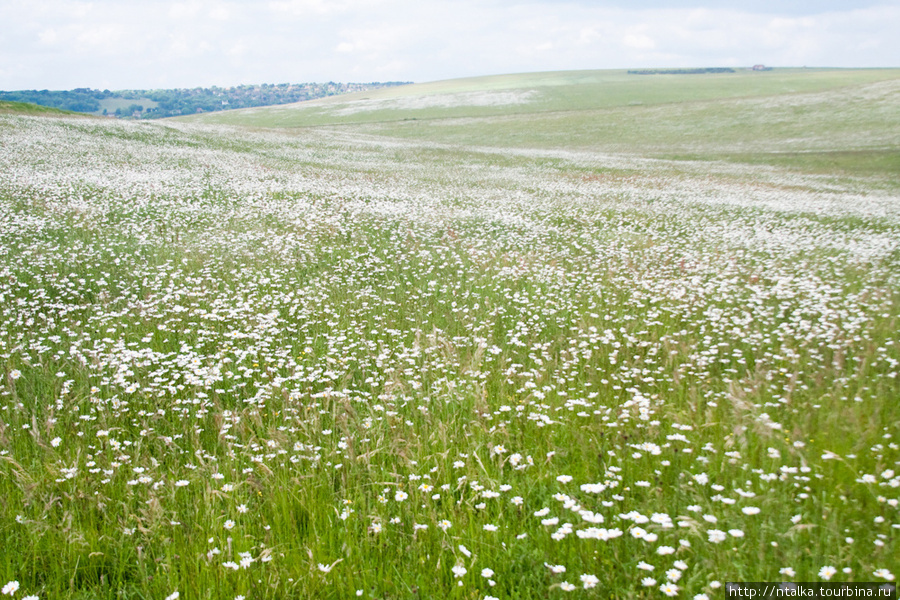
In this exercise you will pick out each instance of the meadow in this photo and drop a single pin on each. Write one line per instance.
(458, 340)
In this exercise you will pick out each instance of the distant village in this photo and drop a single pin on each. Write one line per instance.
(155, 104)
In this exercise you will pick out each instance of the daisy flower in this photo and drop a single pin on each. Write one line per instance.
(827, 572)
(716, 536)
(669, 589)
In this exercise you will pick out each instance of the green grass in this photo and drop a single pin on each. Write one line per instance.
(803, 118)
(837, 162)
(24, 108)
(556, 92)
(296, 348)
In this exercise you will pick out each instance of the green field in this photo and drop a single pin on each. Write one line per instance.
(22, 108)
(111, 104)
(821, 119)
(533, 336)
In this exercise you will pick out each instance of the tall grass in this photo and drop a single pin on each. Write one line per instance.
(317, 366)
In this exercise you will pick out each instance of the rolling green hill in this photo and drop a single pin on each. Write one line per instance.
(525, 337)
(846, 120)
(161, 103)
(24, 108)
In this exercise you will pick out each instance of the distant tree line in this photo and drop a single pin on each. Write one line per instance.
(78, 100)
(186, 101)
(681, 71)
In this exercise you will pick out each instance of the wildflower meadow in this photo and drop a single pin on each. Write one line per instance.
(313, 363)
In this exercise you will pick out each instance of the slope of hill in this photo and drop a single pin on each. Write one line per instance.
(376, 360)
(816, 119)
(26, 108)
(161, 103)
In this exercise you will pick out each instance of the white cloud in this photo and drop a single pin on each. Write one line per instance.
(638, 41)
(220, 13)
(238, 49)
(300, 8)
(103, 36)
(48, 36)
(60, 44)
(185, 10)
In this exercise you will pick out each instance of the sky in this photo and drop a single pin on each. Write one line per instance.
(151, 44)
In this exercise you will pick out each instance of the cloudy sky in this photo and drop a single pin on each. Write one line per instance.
(130, 44)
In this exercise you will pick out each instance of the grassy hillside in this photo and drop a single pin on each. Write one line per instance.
(24, 108)
(541, 93)
(822, 120)
(471, 357)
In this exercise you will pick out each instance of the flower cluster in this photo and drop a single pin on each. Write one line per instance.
(290, 361)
